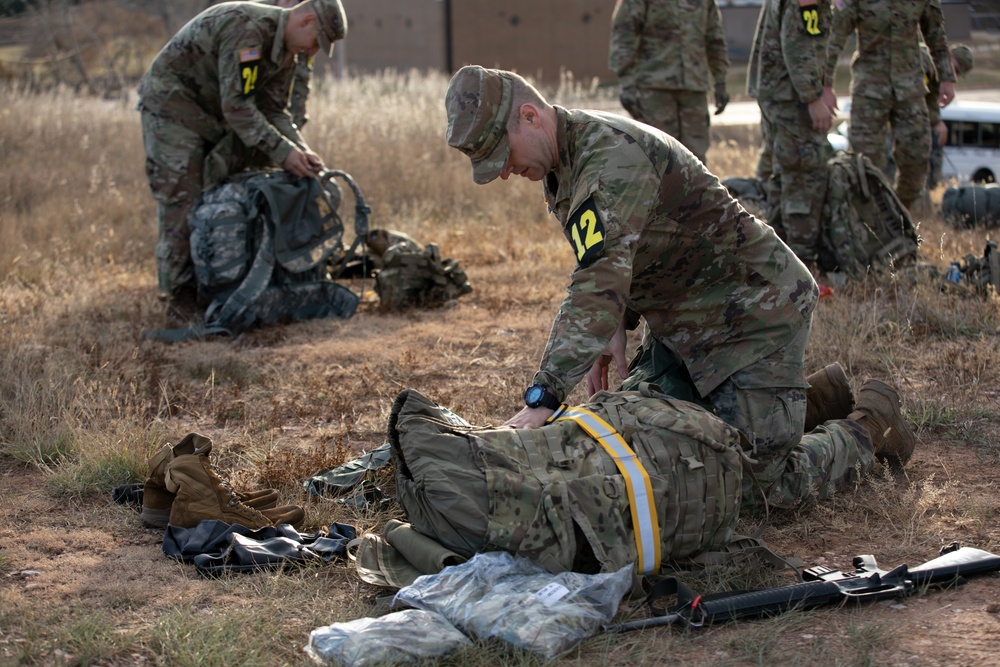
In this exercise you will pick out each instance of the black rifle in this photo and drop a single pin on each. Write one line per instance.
(822, 586)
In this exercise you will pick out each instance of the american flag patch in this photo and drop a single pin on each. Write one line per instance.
(839, 4)
(248, 55)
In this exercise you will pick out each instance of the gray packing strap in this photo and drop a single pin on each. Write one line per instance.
(253, 285)
(640, 491)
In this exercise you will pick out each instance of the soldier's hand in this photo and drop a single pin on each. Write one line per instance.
(821, 115)
(721, 98)
(299, 164)
(830, 99)
(947, 93)
(529, 418)
(597, 376)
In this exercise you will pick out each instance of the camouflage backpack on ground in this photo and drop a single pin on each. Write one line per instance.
(629, 477)
(260, 244)
(411, 275)
(865, 226)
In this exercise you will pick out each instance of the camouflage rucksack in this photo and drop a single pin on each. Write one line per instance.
(572, 495)
(411, 275)
(260, 244)
(865, 226)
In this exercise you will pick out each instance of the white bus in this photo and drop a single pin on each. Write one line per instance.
(973, 149)
(972, 153)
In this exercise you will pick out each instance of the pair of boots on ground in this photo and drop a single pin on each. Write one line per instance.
(877, 410)
(183, 488)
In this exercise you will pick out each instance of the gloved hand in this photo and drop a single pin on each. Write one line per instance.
(721, 98)
(630, 100)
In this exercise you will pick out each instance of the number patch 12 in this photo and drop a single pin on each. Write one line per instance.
(586, 231)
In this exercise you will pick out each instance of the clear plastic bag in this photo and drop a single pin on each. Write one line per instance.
(495, 595)
(404, 637)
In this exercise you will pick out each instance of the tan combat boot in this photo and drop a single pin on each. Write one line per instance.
(878, 413)
(156, 500)
(200, 494)
(829, 396)
(290, 514)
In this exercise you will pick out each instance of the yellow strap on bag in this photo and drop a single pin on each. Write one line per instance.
(640, 491)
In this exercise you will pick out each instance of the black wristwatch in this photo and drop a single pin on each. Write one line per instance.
(539, 396)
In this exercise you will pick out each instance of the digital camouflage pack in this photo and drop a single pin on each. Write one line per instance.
(260, 245)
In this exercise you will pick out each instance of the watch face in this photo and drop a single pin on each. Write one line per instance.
(533, 396)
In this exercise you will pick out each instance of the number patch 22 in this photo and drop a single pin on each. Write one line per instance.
(810, 18)
(586, 232)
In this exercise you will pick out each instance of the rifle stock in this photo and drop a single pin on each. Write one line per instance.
(822, 586)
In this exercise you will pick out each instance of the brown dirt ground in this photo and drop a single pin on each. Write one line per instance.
(66, 553)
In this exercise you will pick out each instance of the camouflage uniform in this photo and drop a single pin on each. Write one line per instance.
(213, 102)
(727, 306)
(785, 73)
(301, 85)
(663, 51)
(887, 80)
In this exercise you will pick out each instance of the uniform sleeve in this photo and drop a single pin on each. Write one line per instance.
(715, 44)
(626, 28)
(932, 26)
(843, 24)
(804, 30)
(242, 100)
(598, 293)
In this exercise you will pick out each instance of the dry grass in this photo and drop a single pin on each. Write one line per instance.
(83, 401)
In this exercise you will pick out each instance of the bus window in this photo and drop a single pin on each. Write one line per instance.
(989, 136)
(963, 133)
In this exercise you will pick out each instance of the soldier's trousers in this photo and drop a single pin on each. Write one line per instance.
(180, 164)
(683, 114)
(798, 174)
(766, 401)
(174, 159)
(871, 120)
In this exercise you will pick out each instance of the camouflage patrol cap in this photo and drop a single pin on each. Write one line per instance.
(332, 23)
(478, 103)
(962, 56)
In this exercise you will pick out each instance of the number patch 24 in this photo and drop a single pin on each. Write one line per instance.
(586, 231)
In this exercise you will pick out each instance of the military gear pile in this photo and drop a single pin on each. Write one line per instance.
(972, 206)
(411, 275)
(865, 226)
(980, 273)
(260, 244)
(556, 496)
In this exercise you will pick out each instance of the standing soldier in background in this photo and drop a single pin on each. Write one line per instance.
(662, 52)
(785, 73)
(961, 62)
(887, 81)
(214, 102)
